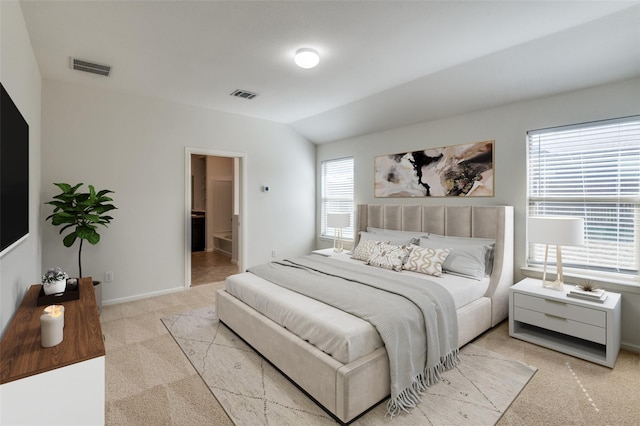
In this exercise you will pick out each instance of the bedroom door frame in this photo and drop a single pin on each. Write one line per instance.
(240, 173)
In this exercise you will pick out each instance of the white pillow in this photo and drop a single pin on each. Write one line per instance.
(469, 257)
(426, 260)
(388, 256)
(488, 243)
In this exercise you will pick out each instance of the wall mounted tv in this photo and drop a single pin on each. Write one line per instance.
(14, 175)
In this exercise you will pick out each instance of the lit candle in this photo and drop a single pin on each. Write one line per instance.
(52, 309)
(51, 324)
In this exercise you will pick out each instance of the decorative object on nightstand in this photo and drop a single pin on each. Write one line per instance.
(337, 221)
(558, 231)
(587, 291)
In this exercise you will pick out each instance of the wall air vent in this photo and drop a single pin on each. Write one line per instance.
(91, 67)
(244, 94)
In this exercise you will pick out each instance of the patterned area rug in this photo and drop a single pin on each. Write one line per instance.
(253, 392)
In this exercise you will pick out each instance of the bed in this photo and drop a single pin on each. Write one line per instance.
(348, 383)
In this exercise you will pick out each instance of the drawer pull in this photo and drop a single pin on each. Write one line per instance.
(557, 302)
(555, 316)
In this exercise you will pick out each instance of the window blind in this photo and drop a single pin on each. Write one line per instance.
(589, 170)
(337, 194)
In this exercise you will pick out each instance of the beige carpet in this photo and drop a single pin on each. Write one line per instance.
(149, 381)
(252, 392)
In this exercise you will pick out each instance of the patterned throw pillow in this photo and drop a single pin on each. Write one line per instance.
(389, 257)
(365, 249)
(426, 260)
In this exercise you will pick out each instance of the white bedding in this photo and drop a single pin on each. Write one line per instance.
(337, 333)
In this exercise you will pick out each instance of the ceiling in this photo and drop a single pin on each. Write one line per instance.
(384, 64)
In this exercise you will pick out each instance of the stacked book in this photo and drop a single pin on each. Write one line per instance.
(595, 295)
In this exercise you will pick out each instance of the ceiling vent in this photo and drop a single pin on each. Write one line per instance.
(244, 94)
(91, 67)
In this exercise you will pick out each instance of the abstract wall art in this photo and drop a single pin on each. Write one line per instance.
(453, 171)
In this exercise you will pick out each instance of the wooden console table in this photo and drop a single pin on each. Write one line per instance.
(64, 384)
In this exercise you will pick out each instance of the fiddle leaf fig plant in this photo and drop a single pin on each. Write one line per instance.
(80, 213)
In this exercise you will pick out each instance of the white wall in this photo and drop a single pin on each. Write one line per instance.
(136, 146)
(20, 76)
(507, 125)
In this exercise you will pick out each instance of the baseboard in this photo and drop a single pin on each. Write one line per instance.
(142, 296)
(219, 250)
(630, 347)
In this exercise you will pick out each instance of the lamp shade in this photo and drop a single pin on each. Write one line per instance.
(338, 220)
(559, 231)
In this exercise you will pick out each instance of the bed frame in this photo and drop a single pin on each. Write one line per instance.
(348, 390)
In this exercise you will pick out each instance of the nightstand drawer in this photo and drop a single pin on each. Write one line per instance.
(569, 311)
(561, 325)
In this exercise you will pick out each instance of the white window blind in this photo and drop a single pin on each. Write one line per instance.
(337, 194)
(589, 170)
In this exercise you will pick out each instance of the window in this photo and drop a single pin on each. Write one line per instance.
(592, 171)
(337, 193)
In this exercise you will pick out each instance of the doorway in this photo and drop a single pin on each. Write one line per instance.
(213, 231)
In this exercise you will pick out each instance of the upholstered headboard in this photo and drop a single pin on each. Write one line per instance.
(461, 221)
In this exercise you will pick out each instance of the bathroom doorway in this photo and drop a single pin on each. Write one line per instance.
(214, 201)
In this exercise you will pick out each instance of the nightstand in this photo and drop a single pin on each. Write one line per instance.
(549, 318)
(328, 252)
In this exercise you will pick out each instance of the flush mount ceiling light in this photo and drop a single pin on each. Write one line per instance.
(307, 57)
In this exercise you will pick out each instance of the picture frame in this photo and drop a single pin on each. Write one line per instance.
(464, 170)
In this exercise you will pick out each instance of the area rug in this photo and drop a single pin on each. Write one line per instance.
(253, 392)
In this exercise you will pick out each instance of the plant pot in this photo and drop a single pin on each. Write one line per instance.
(97, 289)
(54, 287)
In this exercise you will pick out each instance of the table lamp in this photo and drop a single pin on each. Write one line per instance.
(337, 221)
(558, 231)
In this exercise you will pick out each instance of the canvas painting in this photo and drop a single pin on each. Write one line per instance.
(453, 171)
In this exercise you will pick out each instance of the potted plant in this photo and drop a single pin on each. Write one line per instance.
(81, 213)
(54, 281)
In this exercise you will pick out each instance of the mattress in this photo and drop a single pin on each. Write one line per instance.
(341, 335)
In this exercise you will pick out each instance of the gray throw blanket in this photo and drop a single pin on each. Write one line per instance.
(416, 322)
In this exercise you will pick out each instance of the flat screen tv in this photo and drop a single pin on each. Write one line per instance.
(14, 175)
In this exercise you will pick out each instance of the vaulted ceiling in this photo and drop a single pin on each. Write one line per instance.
(383, 64)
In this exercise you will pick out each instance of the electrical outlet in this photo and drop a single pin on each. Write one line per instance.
(274, 253)
(108, 277)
